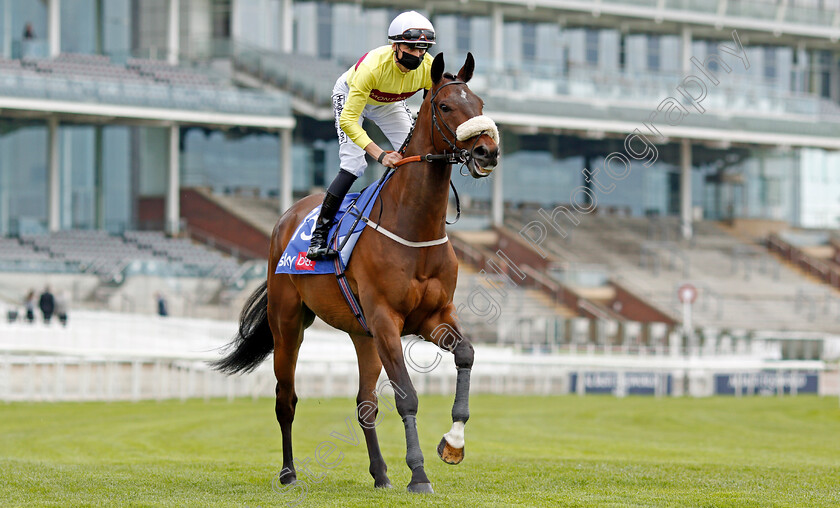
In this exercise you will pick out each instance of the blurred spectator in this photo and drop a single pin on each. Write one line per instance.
(28, 32)
(161, 305)
(61, 307)
(47, 304)
(29, 305)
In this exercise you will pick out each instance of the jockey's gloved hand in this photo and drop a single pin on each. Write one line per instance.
(391, 159)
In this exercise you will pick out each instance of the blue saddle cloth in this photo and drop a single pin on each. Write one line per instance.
(294, 260)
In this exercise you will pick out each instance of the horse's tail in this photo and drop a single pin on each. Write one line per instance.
(254, 341)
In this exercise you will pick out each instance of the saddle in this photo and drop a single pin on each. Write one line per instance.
(343, 234)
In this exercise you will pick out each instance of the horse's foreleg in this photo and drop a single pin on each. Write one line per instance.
(367, 408)
(446, 334)
(451, 447)
(387, 336)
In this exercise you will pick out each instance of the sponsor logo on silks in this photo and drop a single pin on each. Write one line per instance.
(380, 96)
(286, 261)
(303, 262)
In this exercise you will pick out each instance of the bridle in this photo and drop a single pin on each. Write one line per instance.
(459, 154)
(456, 155)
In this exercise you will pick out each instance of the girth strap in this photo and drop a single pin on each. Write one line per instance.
(398, 239)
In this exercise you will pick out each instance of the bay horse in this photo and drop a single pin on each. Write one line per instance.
(402, 289)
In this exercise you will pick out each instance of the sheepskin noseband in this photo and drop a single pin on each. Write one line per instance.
(475, 126)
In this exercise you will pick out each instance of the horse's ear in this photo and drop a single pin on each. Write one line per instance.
(466, 72)
(437, 68)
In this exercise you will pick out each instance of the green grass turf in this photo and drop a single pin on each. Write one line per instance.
(521, 451)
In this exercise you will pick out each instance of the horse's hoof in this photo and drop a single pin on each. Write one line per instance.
(421, 488)
(283, 481)
(449, 454)
(288, 478)
(385, 485)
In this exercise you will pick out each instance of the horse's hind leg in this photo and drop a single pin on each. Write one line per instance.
(366, 405)
(286, 316)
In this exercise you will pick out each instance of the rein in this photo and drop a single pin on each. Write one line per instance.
(434, 157)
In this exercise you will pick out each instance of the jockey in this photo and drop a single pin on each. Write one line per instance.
(375, 88)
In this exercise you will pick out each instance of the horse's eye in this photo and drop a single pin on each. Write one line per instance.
(444, 107)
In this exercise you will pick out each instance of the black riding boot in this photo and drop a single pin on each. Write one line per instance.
(318, 247)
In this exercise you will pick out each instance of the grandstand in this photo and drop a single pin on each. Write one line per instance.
(101, 68)
(159, 158)
(740, 284)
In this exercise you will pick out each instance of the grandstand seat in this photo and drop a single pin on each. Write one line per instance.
(98, 252)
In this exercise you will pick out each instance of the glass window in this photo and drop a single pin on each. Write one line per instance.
(325, 30)
(711, 49)
(823, 69)
(591, 44)
(319, 163)
(93, 30)
(221, 19)
(529, 41)
(27, 24)
(771, 191)
(116, 170)
(770, 63)
(23, 176)
(81, 16)
(825, 84)
(149, 29)
(622, 51)
(463, 33)
(231, 161)
(654, 52)
(116, 32)
(77, 161)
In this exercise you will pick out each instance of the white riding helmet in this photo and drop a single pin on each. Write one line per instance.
(413, 28)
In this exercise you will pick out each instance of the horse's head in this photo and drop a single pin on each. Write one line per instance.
(458, 124)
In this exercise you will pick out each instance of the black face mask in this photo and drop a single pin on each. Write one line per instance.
(409, 61)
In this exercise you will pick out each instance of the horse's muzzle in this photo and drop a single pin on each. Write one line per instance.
(484, 159)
